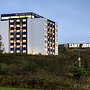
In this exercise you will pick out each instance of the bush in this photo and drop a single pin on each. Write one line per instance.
(78, 72)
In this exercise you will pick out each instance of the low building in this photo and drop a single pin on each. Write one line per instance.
(77, 45)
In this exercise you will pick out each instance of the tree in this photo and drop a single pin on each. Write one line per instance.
(1, 45)
(78, 72)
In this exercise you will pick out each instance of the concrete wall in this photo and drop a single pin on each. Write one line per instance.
(4, 31)
(56, 39)
(36, 36)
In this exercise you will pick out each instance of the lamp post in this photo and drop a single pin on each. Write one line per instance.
(79, 61)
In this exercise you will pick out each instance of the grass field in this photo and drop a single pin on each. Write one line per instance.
(5, 88)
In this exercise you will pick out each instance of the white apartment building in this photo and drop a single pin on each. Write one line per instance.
(31, 33)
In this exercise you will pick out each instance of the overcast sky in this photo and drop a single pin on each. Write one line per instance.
(72, 16)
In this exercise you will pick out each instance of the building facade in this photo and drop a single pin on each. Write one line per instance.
(32, 34)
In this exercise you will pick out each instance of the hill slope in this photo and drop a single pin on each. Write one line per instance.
(47, 72)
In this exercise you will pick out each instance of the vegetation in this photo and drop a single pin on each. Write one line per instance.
(60, 72)
(1, 88)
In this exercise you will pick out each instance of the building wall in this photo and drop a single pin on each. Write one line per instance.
(18, 35)
(56, 39)
(51, 37)
(36, 36)
(5, 35)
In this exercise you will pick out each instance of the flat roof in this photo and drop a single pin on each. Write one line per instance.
(8, 16)
(5, 17)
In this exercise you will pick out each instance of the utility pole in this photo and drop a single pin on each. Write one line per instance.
(79, 61)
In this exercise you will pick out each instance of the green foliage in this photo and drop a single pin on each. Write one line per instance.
(3, 69)
(78, 72)
(45, 72)
(7, 88)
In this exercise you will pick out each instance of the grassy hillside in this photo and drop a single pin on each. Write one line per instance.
(46, 72)
(2, 88)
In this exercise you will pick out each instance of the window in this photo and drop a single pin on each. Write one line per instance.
(5, 18)
(53, 29)
(24, 20)
(24, 30)
(11, 46)
(53, 38)
(18, 41)
(53, 33)
(51, 52)
(24, 35)
(11, 36)
(24, 51)
(22, 16)
(24, 40)
(53, 43)
(11, 31)
(32, 16)
(29, 16)
(24, 45)
(11, 25)
(48, 42)
(11, 51)
(18, 20)
(11, 41)
(11, 21)
(18, 25)
(50, 22)
(14, 16)
(18, 35)
(48, 47)
(18, 30)
(18, 46)
(18, 51)
(24, 25)
(48, 27)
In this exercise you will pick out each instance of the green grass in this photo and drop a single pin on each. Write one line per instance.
(5, 88)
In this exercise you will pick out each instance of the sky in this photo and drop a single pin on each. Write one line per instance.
(72, 16)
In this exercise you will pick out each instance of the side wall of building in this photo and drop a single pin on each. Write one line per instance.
(4, 31)
(56, 39)
(35, 43)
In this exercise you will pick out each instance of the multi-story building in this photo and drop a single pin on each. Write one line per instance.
(31, 33)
